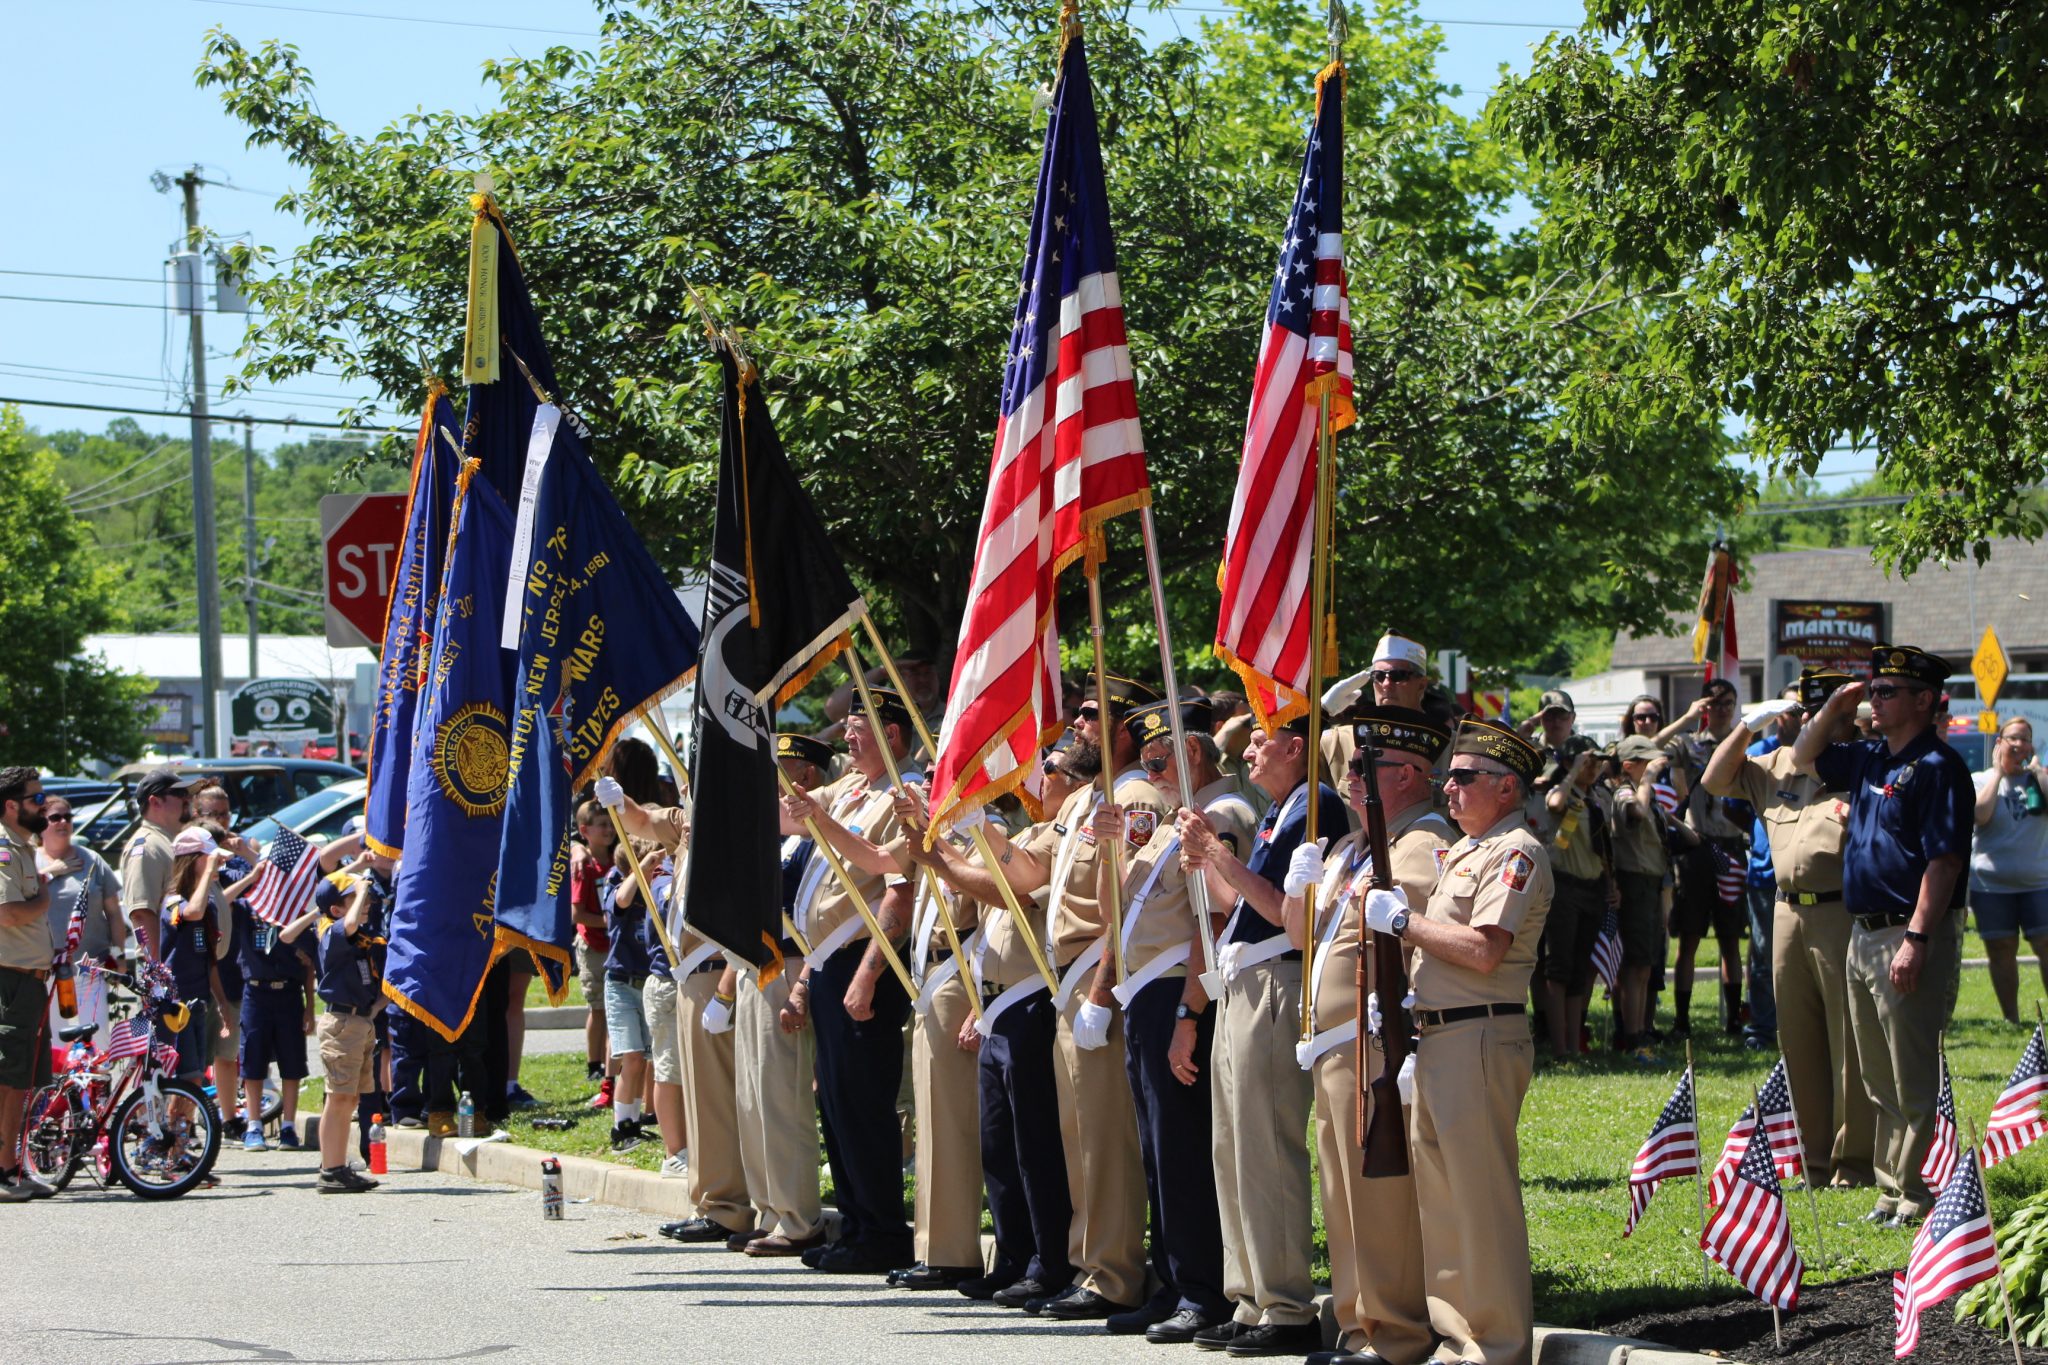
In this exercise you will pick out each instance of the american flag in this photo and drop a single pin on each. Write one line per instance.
(1780, 1127)
(1713, 635)
(1750, 1237)
(2016, 1118)
(1731, 879)
(1667, 797)
(1607, 952)
(1672, 1150)
(1953, 1251)
(286, 875)
(1262, 629)
(128, 1039)
(1941, 1153)
(1068, 456)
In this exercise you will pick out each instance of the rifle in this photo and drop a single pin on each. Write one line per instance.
(1383, 1130)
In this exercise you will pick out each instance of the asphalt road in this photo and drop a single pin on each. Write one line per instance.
(437, 1268)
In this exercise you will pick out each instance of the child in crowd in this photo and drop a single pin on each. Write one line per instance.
(348, 984)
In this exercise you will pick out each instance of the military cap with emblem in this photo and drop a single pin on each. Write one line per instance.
(890, 707)
(1816, 685)
(1913, 665)
(1485, 739)
(1398, 727)
(1124, 693)
(1148, 723)
(806, 749)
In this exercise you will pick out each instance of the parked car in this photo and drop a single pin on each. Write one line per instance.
(316, 818)
(255, 786)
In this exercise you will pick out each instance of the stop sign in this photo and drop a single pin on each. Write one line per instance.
(361, 533)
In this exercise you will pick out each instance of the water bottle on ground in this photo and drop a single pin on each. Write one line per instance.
(465, 1116)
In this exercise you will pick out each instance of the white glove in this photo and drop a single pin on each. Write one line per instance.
(717, 1016)
(1342, 694)
(1408, 1002)
(1304, 1049)
(1226, 960)
(1305, 868)
(968, 823)
(1372, 1013)
(1381, 907)
(1768, 710)
(1404, 1081)
(610, 794)
(1091, 1025)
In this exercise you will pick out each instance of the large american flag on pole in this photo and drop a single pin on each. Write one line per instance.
(1781, 1129)
(2016, 1118)
(1751, 1238)
(286, 876)
(1068, 456)
(1955, 1249)
(1940, 1163)
(1672, 1150)
(1263, 630)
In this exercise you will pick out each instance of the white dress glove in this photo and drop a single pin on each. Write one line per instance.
(610, 794)
(1373, 1021)
(1404, 1081)
(1305, 868)
(717, 1016)
(1767, 711)
(1382, 906)
(1091, 1025)
(1342, 694)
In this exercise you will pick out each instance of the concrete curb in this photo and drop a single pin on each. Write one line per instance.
(555, 1016)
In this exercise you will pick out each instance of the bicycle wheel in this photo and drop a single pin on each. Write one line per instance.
(161, 1150)
(273, 1101)
(54, 1133)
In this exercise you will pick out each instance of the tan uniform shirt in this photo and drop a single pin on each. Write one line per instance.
(1069, 843)
(1806, 821)
(1166, 920)
(1573, 849)
(1638, 835)
(146, 872)
(926, 928)
(1005, 958)
(867, 811)
(1502, 880)
(24, 946)
(1415, 839)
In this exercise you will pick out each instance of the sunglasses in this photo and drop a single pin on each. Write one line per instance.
(62, 817)
(1387, 677)
(1087, 711)
(1358, 763)
(1885, 691)
(1652, 717)
(36, 798)
(1463, 777)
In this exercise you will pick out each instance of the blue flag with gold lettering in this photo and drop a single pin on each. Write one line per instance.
(601, 637)
(409, 622)
(443, 934)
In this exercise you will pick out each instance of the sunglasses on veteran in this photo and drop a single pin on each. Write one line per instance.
(58, 817)
(1363, 757)
(1394, 677)
(1887, 691)
(1465, 777)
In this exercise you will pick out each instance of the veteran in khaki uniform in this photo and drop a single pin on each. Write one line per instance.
(1473, 952)
(1169, 1027)
(1375, 1237)
(1398, 676)
(1810, 938)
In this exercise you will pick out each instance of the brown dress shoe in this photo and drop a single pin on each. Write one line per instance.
(780, 1245)
(441, 1124)
(738, 1241)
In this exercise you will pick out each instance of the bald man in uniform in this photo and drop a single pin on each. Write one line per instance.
(1472, 953)
(1375, 1236)
(1810, 937)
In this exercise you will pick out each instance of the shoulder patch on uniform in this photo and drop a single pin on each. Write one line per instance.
(1139, 826)
(1442, 856)
(137, 842)
(6, 856)
(1516, 869)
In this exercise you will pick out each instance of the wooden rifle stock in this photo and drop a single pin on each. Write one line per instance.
(1382, 1127)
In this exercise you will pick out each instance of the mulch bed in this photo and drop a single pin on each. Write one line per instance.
(1847, 1322)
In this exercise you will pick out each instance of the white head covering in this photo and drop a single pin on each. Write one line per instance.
(1400, 649)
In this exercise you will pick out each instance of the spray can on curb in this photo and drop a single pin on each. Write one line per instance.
(551, 1189)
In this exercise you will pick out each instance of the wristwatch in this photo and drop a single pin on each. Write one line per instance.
(1914, 936)
(1181, 1011)
(1398, 925)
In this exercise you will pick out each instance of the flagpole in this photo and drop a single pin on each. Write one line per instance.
(1105, 722)
(867, 706)
(1756, 1101)
(1198, 887)
(1805, 1171)
(654, 910)
(989, 861)
(1318, 604)
(2012, 1329)
(1699, 1161)
(846, 881)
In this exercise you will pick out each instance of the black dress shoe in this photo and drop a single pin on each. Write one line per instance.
(1180, 1329)
(1045, 1301)
(815, 1254)
(989, 1285)
(1272, 1339)
(1217, 1336)
(922, 1276)
(1020, 1292)
(863, 1259)
(696, 1230)
(1140, 1319)
(1084, 1305)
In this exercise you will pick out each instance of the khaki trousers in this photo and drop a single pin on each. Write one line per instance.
(1374, 1230)
(1810, 978)
(946, 1080)
(778, 1113)
(1898, 1042)
(718, 1178)
(1105, 1170)
(1470, 1078)
(1260, 1146)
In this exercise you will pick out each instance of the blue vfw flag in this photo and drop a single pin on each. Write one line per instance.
(443, 935)
(601, 637)
(409, 623)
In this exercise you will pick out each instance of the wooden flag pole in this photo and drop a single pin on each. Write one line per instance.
(1105, 729)
(931, 878)
(654, 910)
(2012, 1329)
(846, 881)
(1699, 1162)
(1321, 523)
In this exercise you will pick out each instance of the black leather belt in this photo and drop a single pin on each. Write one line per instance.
(1887, 921)
(940, 953)
(1791, 897)
(626, 979)
(1438, 1018)
(355, 1011)
(272, 985)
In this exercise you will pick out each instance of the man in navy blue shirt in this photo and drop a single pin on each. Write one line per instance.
(1911, 814)
(1261, 1096)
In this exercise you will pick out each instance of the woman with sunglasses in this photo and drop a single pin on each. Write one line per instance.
(80, 880)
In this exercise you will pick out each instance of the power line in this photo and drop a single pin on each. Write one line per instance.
(103, 303)
(399, 18)
(68, 275)
(157, 381)
(158, 412)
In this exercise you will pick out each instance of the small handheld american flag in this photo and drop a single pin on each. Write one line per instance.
(286, 876)
(1607, 953)
(1671, 1150)
(2016, 1118)
(1751, 1238)
(1780, 1127)
(1955, 1249)
(1940, 1164)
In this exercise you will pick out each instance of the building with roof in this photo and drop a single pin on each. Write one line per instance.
(172, 662)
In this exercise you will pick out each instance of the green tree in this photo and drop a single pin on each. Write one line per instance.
(56, 708)
(848, 181)
(1841, 208)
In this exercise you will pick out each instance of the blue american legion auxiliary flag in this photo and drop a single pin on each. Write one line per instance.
(601, 638)
(409, 622)
(443, 934)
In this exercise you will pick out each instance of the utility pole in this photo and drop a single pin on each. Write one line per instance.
(249, 539)
(204, 548)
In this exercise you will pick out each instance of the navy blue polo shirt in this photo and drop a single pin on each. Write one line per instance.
(627, 958)
(263, 955)
(1905, 809)
(348, 971)
(187, 950)
(1280, 833)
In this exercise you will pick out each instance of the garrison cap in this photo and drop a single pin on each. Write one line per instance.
(1399, 727)
(1124, 694)
(1148, 723)
(1914, 665)
(890, 707)
(806, 749)
(1485, 739)
(1816, 685)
